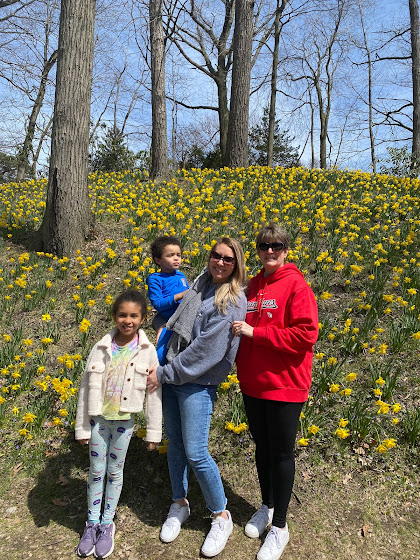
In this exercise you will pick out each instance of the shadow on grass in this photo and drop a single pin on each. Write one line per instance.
(60, 492)
(27, 237)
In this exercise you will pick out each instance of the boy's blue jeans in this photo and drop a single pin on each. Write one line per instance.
(161, 348)
(187, 410)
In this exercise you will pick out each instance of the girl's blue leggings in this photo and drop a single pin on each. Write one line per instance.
(107, 449)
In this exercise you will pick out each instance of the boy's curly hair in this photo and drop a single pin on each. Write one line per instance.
(160, 243)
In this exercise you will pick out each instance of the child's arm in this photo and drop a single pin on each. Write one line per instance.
(179, 296)
(159, 302)
(82, 424)
(151, 445)
(153, 411)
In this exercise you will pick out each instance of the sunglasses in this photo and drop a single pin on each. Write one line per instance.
(276, 246)
(216, 257)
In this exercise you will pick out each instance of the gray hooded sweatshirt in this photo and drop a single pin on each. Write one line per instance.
(212, 350)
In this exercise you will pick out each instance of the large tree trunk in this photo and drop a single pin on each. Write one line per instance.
(159, 124)
(237, 144)
(67, 215)
(415, 61)
(27, 144)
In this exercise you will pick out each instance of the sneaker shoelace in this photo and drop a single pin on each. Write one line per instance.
(173, 515)
(273, 540)
(103, 531)
(90, 531)
(218, 525)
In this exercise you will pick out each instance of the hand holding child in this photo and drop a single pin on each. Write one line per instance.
(152, 382)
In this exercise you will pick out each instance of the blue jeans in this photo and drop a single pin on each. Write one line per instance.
(161, 349)
(187, 411)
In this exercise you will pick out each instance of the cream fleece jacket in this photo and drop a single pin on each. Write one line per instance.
(92, 388)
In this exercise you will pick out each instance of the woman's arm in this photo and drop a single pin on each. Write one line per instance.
(302, 331)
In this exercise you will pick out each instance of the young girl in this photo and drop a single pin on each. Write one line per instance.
(113, 389)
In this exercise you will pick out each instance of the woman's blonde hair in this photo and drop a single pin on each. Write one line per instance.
(228, 292)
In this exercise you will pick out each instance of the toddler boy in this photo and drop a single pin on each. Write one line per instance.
(165, 288)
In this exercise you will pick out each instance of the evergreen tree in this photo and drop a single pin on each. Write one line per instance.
(112, 154)
(284, 154)
(8, 167)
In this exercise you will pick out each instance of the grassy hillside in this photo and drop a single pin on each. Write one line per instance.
(354, 235)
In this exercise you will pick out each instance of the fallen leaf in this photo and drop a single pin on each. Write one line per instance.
(17, 468)
(365, 530)
(306, 475)
(60, 502)
(62, 480)
(347, 478)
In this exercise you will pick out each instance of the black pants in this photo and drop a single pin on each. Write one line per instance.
(273, 425)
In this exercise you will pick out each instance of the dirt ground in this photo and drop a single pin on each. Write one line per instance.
(334, 513)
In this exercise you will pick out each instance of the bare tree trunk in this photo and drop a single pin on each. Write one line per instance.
(67, 216)
(323, 140)
(415, 61)
(312, 131)
(37, 152)
(29, 137)
(159, 124)
(223, 111)
(272, 111)
(237, 144)
(370, 100)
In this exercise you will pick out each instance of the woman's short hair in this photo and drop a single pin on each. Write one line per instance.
(273, 232)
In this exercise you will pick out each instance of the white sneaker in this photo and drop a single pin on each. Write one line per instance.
(274, 544)
(218, 535)
(259, 522)
(172, 526)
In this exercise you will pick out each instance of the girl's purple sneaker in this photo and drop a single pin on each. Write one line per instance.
(104, 540)
(87, 542)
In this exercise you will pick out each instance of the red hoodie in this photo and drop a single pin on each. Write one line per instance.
(276, 364)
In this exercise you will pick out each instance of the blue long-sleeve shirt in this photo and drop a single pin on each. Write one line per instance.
(162, 287)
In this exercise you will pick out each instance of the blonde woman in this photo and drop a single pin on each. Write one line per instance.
(200, 355)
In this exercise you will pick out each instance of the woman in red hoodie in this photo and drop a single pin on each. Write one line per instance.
(274, 370)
